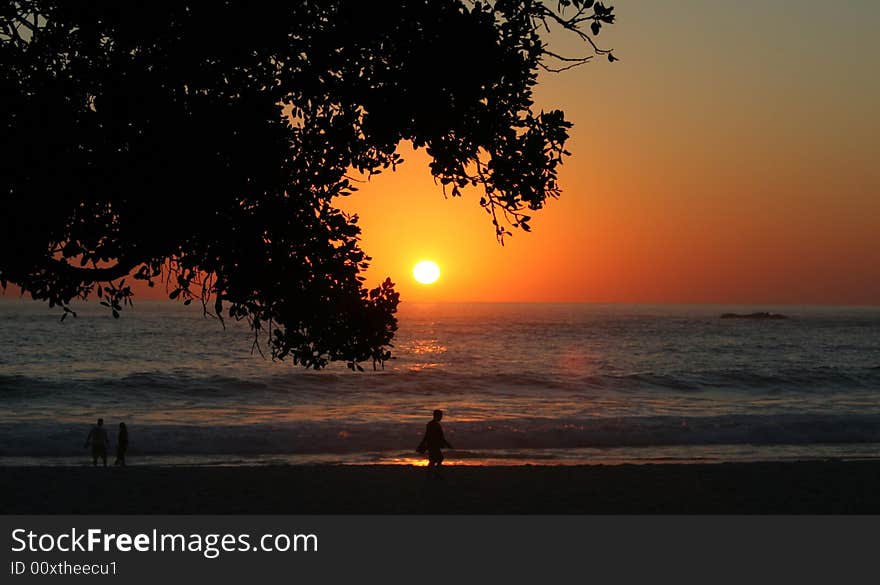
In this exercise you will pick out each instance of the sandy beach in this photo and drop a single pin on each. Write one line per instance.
(821, 487)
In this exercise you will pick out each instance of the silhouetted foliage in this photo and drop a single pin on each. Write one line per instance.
(201, 144)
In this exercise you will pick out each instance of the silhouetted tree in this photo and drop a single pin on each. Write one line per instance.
(201, 144)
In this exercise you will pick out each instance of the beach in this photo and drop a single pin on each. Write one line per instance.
(551, 408)
(815, 487)
(545, 384)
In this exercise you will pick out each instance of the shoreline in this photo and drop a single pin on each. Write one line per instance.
(685, 454)
(803, 487)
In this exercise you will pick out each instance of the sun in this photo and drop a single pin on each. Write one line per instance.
(426, 272)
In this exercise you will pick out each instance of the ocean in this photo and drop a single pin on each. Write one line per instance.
(519, 384)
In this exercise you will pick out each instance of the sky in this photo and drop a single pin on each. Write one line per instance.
(730, 157)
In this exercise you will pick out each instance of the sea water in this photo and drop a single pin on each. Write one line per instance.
(519, 383)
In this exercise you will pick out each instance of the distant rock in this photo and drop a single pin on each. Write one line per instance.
(753, 316)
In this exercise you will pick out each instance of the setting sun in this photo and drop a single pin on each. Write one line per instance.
(426, 272)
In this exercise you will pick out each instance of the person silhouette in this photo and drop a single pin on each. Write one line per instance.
(434, 442)
(121, 445)
(98, 439)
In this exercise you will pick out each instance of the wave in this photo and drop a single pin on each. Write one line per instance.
(44, 438)
(816, 379)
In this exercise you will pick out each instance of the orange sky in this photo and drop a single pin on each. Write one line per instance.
(725, 159)
(730, 157)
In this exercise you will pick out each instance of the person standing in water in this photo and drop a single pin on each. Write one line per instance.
(98, 439)
(121, 445)
(433, 443)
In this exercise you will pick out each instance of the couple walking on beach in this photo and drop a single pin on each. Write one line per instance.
(100, 442)
(433, 443)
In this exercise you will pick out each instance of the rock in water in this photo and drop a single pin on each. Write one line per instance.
(754, 316)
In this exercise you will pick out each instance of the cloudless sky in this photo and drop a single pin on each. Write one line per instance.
(731, 156)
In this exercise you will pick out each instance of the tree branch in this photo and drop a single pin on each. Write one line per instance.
(119, 270)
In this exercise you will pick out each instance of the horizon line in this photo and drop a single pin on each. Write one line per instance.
(23, 299)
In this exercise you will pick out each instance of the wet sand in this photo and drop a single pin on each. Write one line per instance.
(817, 487)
